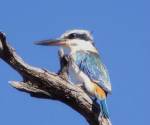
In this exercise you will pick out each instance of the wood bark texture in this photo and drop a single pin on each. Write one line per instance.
(44, 84)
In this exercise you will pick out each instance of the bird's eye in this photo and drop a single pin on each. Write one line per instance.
(73, 36)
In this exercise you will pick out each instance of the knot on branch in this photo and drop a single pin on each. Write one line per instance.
(64, 63)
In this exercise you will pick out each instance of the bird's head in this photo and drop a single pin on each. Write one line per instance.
(73, 39)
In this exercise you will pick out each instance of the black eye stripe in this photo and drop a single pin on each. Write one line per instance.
(84, 37)
(73, 36)
(78, 36)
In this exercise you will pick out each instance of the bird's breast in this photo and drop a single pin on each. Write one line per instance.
(78, 77)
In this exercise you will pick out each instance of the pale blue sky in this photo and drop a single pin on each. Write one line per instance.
(121, 31)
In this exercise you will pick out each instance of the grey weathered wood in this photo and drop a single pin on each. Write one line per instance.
(41, 83)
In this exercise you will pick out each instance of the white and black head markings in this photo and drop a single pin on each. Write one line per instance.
(79, 40)
(78, 34)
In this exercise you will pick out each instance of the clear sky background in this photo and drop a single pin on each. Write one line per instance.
(121, 31)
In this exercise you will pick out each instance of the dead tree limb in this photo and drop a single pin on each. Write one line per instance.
(41, 83)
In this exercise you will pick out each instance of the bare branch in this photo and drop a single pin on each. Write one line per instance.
(41, 83)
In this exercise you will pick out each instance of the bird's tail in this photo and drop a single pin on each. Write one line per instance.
(104, 115)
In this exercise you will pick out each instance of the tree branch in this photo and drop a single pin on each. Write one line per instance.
(41, 83)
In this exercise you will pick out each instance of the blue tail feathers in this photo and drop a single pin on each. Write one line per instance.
(104, 114)
(104, 109)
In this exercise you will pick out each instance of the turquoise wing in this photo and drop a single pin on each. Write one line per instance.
(91, 65)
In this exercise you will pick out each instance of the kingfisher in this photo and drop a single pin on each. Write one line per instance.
(85, 66)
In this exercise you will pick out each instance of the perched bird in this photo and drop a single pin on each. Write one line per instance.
(85, 66)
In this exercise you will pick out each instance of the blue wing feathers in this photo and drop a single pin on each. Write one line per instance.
(91, 65)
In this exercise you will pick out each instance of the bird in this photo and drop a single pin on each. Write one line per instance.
(85, 66)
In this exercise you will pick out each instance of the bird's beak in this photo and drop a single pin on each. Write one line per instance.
(51, 42)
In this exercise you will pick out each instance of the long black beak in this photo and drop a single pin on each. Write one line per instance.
(51, 42)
